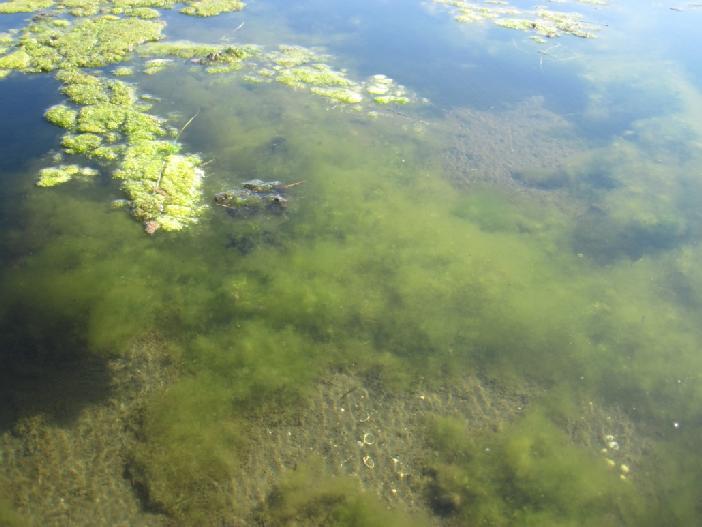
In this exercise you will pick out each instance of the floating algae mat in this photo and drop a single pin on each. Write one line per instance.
(110, 127)
(539, 20)
(482, 310)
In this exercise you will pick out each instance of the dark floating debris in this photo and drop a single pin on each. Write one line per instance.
(255, 195)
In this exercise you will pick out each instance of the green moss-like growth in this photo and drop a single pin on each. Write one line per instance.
(82, 88)
(344, 95)
(308, 497)
(93, 42)
(156, 66)
(82, 7)
(105, 40)
(206, 8)
(52, 176)
(24, 6)
(543, 22)
(530, 474)
(292, 56)
(183, 49)
(61, 115)
(82, 144)
(391, 99)
(17, 60)
(145, 13)
(123, 71)
(316, 74)
(144, 3)
(4, 73)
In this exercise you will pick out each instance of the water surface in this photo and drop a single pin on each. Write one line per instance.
(481, 308)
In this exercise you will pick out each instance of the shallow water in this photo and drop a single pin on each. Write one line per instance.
(480, 308)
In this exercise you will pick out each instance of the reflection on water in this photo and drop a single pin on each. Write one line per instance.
(481, 309)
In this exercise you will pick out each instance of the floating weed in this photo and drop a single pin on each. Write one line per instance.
(50, 177)
(154, 66)
(61, 115)
(80, 8)
(542, 21)
(94, 42)
(344, 95)
(145, 13)
(123, 71)
(207, 8)
(24, 6)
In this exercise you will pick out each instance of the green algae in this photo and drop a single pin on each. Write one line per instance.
(110, 40)
(50, 177)
(61, 115)
(145, 13)
(123, 71)
(92, 42)
(344, 95)
(308, 496)
(81, 8)
(163, 188)
(153, 66)
(315, 74)
(529, 474)
(81, 144)
(186, 463)
(544, 22)
(391, 99)
(24, 6)
(205, 8)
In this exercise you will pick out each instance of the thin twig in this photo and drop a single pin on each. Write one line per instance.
(186, 125)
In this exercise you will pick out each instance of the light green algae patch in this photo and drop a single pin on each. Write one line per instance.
(123, 71)
(46, 46)
(4, 73)
(344, 95)
(24, 6)
(163, 186)
(52, 176)
(539, 20)
(151, 67)
(303, 68)
(146, 13)
(294, 66)
(61, 115)
(207, 8)
(80, 8)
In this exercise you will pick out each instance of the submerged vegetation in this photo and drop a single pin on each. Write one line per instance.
(576, 277)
